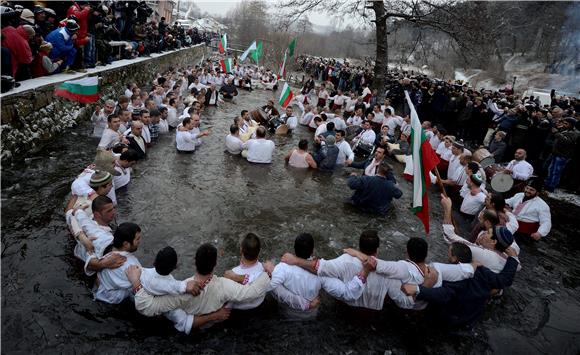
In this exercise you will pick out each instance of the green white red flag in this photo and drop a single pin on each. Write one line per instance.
(223, 45)
(286, 97)
(85, 90)
(227, 65)
(424, 160)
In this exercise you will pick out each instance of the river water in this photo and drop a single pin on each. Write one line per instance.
(210, 196)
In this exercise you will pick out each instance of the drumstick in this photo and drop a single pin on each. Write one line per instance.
(440, 183)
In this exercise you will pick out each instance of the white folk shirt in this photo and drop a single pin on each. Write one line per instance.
(455, 168)
(291, 122)
(339, 99)
(320, 129)
(471, 203)
(354, 121)
(533, 210)
(100, 122)
(109, 139)
(260, 150)
(392, 122)
(251, 272)
(408, 272)
(377, 287)
(185, 140)
(339, 123)
(307, 285)
(379, 117)
(103, 238)
(306, 118)
(368, 136)
(344, 152)
(234, 145)
(434, 141)
(124, 178)
(81, 186)
(493, 260)
(521, 169)
(114, 286)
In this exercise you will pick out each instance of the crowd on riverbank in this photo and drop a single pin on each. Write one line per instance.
(36, 42)
(351, 129)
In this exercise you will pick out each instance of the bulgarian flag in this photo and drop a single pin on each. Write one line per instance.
(282, 72)
(227, 65)
(223, 45)
(286, 97)
(250, 49)
(424, 160)
(85, 90)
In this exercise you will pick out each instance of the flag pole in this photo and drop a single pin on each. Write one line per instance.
(440, 183)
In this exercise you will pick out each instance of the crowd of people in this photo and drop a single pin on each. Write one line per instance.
(352, 129)
(67, 37)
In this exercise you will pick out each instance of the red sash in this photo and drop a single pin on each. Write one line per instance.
(367, 98)
(321, 102)
(528, 227)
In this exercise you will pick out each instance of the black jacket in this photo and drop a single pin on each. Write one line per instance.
(463, 302)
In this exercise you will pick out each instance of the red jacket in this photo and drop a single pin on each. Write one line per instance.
(18, 47)
(82, 16)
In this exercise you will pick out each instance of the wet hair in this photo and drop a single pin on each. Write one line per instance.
(110, 117)
(163, 109)
(100, 202)
(126, 232)
(342, 132)
(498, 201)
(473, 167)
(330, 126)
(251, 247)
(165, 261)
(369, 241)
(417, 249)
(303, 144)
(243, 113)
(461, 252)
(205, 258)
(384, 167)
(261, 132)
(186, 121)
(304, 245)
(118, 148)
(155, 113)
(129, 155)
(234, 129)
(490, 216)
(323, 117)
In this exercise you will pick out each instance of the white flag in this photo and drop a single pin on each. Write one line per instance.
(252, 47)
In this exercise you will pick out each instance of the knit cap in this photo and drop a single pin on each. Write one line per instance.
(503, 236)
(100, 178)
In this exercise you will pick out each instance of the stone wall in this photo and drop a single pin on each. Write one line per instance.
(33, 117)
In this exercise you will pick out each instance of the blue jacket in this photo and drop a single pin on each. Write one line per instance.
(363, 165)
(463, 302)
(373, 193)
(60, 46)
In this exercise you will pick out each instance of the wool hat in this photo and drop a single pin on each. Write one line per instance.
(503, 236)
(100, 178)
(330, 140)
(27, 16)
(536, 183)
(476, 178)
(459, 144)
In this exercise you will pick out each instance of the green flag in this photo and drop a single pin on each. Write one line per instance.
(257, 53)
(291, 48)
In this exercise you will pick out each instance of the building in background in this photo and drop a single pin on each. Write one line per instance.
(163, 8)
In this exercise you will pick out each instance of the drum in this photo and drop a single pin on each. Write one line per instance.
(259, 116)
(502, 182)
(282, 129)
(274, 123)
(364, 149)
(483, 157)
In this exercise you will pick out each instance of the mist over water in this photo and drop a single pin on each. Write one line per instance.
(185, 200)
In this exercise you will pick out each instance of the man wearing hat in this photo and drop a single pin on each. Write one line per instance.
(532, 213)
(491, 246)
(374, 193)
(40, 17)
(62, 40)
(565, 143)
(27, 17)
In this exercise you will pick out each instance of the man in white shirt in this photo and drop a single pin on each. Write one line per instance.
(473, 197)
(357, 119)
(379, 117)
(114, 286)
(519, 168)
(533, 213)
(111, 134)
(259, 150)
(197, 85)
(234, 144)
(198, 133)
(186, 139)
(456, 175)
(392, 122)
(99, 117)
(94, 235)
(307, 115)
(124, 167)
(289, 118)
(339, 122)
(367, 136)
(338, 100)
(435, 139)
(345, 153)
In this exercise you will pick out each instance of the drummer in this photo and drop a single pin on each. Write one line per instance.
(366, 136)
(532, 213)
(270, 109)
(520, 169)
(289, 119)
